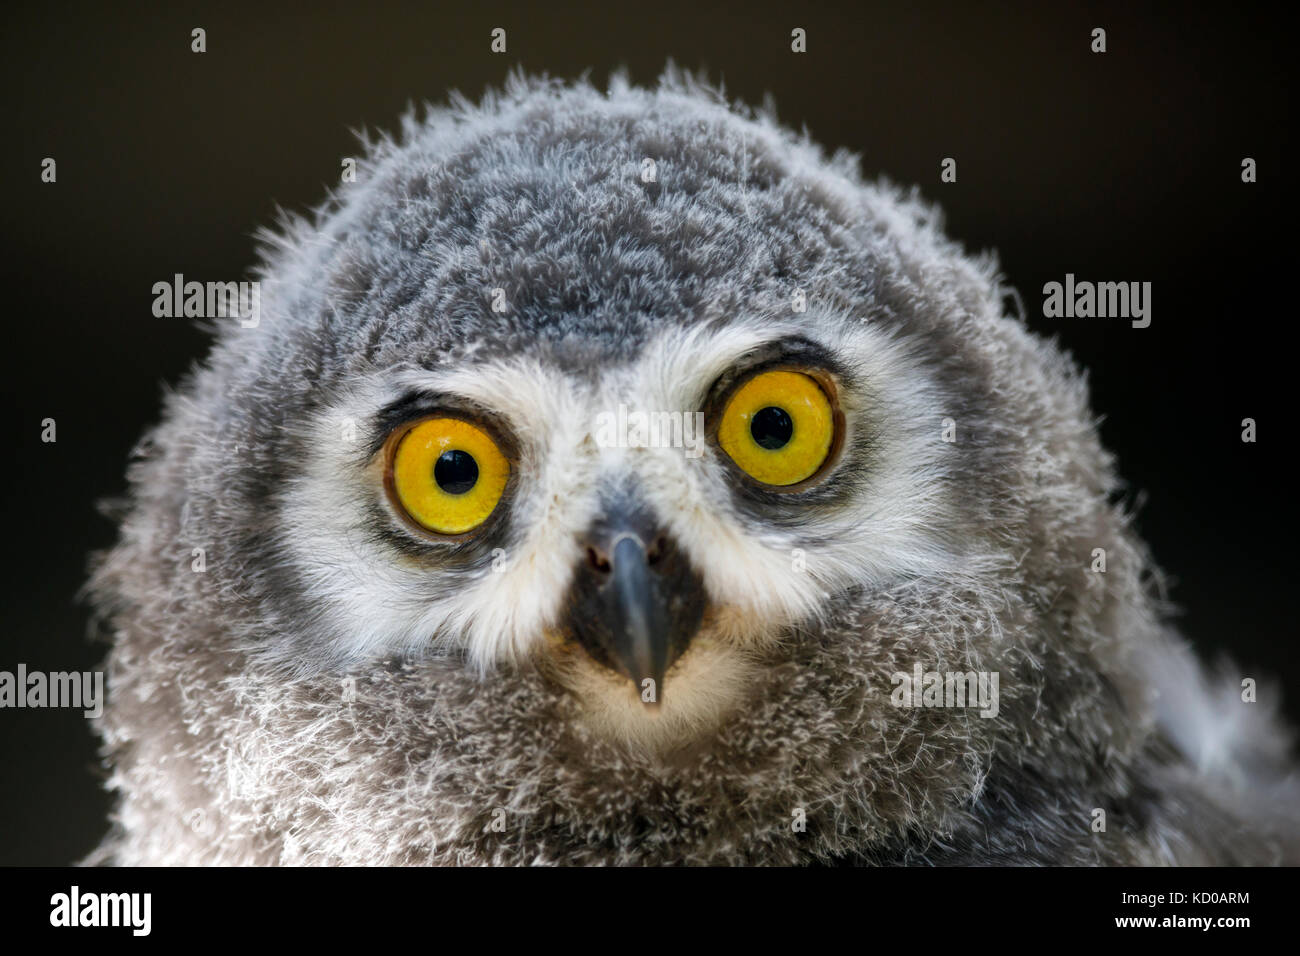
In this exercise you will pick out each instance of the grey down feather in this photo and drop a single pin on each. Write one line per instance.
(219, 754)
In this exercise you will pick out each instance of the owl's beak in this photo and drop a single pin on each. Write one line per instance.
(638, 617)
(636, 602)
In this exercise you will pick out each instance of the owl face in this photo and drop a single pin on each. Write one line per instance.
(493, 509)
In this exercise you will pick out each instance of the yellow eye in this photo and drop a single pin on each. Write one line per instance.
(779, 427)
(446, 474)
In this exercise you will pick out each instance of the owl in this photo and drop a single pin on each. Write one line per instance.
(617, 477)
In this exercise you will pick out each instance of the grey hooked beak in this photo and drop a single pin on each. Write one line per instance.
(638, 618)
(635, 602)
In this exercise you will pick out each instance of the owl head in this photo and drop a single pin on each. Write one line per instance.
(595, 466)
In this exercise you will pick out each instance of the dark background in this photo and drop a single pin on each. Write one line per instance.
(1122, 166)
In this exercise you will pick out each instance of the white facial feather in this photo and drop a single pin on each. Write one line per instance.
(380, 601)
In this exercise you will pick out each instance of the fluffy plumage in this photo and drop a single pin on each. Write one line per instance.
(330, 691)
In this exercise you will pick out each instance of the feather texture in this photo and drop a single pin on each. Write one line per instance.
(326, 692)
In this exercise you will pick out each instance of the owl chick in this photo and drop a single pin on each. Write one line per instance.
(617, 478)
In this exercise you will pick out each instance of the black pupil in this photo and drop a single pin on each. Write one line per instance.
(455, 472)
(771, 427)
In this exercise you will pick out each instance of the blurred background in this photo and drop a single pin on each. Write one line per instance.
(1120, 166)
